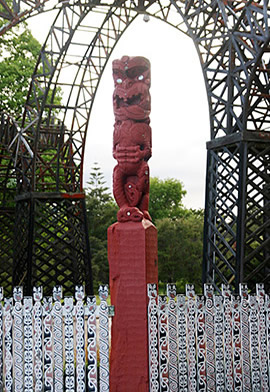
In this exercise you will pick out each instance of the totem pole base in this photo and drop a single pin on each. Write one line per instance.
(132, 253)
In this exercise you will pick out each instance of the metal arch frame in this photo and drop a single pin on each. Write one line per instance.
(230, 38)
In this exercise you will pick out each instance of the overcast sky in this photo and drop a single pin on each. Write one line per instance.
(179, 115)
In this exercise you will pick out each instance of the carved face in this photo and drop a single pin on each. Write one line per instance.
(131, 98)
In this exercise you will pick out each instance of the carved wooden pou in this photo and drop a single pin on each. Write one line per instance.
(132, 241)
(132, 144)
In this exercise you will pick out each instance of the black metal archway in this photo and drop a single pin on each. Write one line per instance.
(232, 40)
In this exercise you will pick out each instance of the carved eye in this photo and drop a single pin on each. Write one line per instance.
(141, 77)
(119, 80)
(141, 147)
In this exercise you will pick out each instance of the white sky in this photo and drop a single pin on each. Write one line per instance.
(179, 115)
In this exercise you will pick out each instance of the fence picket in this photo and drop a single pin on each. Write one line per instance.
(191, 341)
(80, 339)
(173, 361)
(48, 344)
(38, 352)
(18, 338)
(28, 344)
(201, 344)
(92, 343)
(153, 338)
(57, 313)
(254, 344)
(8, 358)
(237, 357)
(104, 339)
(220, 373)
(228, 345)
(244, 318)
(210, 344)
(163, 343)
(69, 344)
(182, 335)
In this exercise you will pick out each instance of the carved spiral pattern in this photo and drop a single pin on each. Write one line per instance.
(8, 359)
(227, 321)
(220, 375)
(163, 343)
(267, 308)
(254, 343)
(173, 347)
(191, 341)
(80, 352)
(182, 336)
(92, 343)
(237, 344)
(201, 345)
(48, 344)
(210, 344)
(153, 337)
(38, 352)
(69, 343)
(57, 313)
(28, 344)
(262, 337)
(104, 340)
(244, 317)
(18, 339)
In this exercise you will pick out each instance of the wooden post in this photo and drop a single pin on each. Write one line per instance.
(132, 253)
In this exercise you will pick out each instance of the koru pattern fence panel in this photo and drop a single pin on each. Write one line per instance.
(209, 342)
(54, 344)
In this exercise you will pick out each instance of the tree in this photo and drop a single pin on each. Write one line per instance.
(19, 51)
(180, 249)
(101, 213)
(166, 198)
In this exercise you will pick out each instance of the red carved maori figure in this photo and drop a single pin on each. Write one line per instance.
(132, 146)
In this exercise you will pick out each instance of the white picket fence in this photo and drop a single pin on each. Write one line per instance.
(209, 343)
(196, 343)
(53, 344)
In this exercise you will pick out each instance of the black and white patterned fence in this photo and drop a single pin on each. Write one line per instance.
(209, 343)
(53, 344)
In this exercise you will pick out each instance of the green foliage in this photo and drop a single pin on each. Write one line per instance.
(101, 213)
(180, 250)
(166, 198)
(19, 51)
(180, 231)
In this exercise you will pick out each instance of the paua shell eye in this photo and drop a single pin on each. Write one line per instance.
(141, 77)
(119, 80)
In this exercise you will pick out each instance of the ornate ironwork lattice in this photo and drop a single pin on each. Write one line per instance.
(232, 39)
